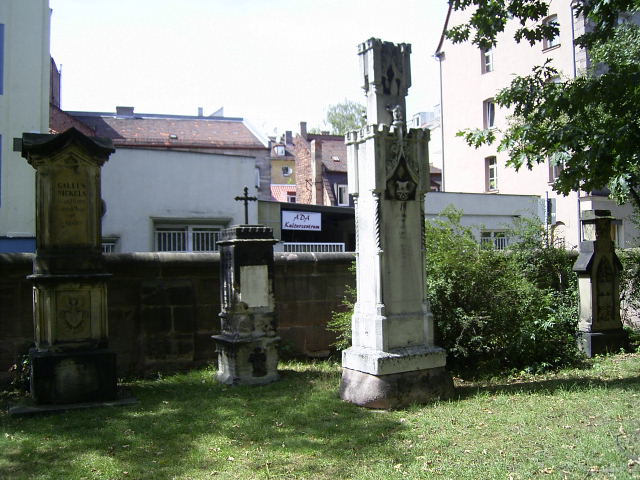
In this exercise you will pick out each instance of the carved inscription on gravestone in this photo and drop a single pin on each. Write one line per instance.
(604, 291)
(73, 314)
(70, 205)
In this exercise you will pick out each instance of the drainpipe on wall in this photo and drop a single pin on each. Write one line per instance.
(440, 57)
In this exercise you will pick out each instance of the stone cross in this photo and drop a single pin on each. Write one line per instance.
(246, 199)
(598, 268)
(70, 362)
(393, 361)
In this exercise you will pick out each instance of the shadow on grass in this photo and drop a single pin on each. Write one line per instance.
(191, 423)
(549, 386)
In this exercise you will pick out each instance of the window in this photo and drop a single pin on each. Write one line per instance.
(342, 196)
(555, 41)
(494, 239)
(554, 170)
(489, 113)
(491, 174)
(291, 197)
(186, 238)
(287, 171)
(278, 150)
(487, 60)
(109, 245)
(1, 58)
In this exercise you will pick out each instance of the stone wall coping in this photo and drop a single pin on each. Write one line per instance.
(180, 258)
(16, 258)
(329, 257)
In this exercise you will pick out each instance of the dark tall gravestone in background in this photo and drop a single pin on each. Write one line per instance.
(247, 353)
(70, 362)
(598, 269)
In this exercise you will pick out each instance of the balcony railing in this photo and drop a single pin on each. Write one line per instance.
(313, 247)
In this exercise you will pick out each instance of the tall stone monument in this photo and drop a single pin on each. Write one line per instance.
(598, 269)
(70, 362)
(393, 361)
(247, 344)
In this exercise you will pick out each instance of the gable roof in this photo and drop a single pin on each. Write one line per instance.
(171, 130)
(444, 32)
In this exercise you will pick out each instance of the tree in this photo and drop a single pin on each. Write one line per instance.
(345, 116)
(589, 124)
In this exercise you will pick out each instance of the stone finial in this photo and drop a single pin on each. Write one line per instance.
(387, 78)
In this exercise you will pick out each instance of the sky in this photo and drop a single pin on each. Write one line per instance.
(272, 62)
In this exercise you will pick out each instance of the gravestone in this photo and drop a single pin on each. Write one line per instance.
(393, 361)
(598, 269)
(247, 344)
(70, 362)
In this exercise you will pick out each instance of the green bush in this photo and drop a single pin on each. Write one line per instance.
(497, 310)
(494, 310)
(630, 285)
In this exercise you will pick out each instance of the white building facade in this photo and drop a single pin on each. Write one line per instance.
(167, 200)
(471, 77)
(24, 107)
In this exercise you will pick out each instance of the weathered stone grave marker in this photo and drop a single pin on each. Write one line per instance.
(70, 362)
(393, 361)
(247, 344)
(598, 268)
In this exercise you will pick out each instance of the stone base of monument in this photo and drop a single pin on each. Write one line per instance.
(396, 379)
(247, 361)
(597, 343)
(73, 377)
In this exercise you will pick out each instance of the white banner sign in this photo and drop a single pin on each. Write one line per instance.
(301, 221)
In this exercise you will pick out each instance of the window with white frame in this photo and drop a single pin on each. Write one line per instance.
(489, 113)
(278, 150)
(547, 43)
(186, 238)
(109, 244)
(487, 60)
(342, 195)
(491, 174)
(291, 197)
(497, 239)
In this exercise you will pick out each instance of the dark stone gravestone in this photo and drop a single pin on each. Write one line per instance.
(247, 344)
(70, 362)
(598, 269)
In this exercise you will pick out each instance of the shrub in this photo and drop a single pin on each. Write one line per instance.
(498, 310)
(494, 310)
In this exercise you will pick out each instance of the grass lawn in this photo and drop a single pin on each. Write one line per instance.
(573, 424)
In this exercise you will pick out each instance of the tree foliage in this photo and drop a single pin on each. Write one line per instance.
(591, 123)
(345, 116)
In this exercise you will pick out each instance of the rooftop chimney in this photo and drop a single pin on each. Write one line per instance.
(303, 130)
(288, 137)
(124, 111)
(200, 111)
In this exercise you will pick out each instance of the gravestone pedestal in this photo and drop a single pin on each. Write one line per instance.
(394, 361)
(247, 344)
(70, 362)
(598, 269)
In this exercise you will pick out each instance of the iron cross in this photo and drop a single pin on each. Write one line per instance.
(246, 199)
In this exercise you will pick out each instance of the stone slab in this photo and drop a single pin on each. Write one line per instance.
(73, 377)
(406, 359)
(597, 343)
(397, 390)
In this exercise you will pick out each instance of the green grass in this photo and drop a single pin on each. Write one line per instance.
(573, 424)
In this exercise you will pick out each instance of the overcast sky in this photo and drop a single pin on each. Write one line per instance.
(273, 62)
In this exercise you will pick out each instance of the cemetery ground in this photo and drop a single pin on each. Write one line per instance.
(575, 423)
